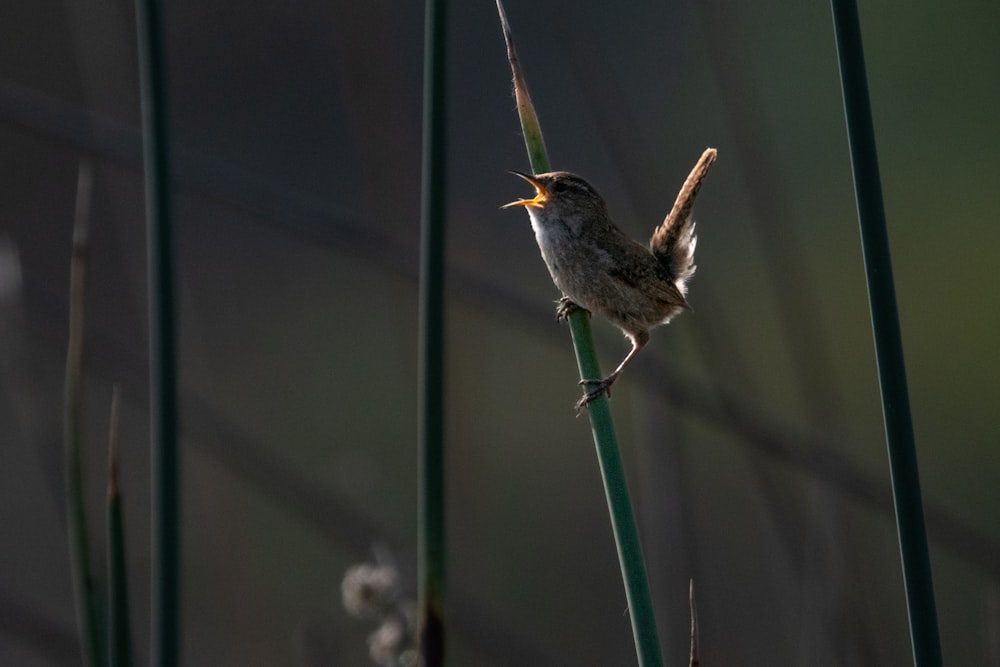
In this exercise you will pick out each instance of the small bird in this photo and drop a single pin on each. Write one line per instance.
(599, 268)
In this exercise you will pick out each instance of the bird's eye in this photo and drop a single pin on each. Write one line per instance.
(559, 187)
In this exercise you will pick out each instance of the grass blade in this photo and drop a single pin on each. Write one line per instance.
(602, 426)
(165, 457)
(120, 632)
(432, 547)
(888, 340)
(87, 606)
(695, 651)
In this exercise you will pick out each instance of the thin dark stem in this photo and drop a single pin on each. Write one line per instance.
(888, 339)
(695, 651)
(88, 614)
(432, 273)
(119, 627)
(165, 631)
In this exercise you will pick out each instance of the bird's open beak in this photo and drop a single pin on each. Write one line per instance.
(541, 194)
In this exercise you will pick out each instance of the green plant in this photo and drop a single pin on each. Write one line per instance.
(602, 426)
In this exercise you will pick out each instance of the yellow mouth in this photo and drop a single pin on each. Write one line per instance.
(541, 194)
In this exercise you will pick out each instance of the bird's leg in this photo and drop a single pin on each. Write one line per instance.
(639, 341)
(566, 308)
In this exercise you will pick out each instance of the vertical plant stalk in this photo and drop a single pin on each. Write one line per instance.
(602, 427)
(888, 340)
(165, 630)
(120, 632)
(432, 546)
(695, 650)
(88, 615)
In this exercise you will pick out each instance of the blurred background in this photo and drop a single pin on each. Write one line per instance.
(751, 426)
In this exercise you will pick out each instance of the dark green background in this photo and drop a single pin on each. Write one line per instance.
(298, 139)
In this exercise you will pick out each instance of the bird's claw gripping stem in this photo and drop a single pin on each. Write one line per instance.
(566, 308)
(601, 387)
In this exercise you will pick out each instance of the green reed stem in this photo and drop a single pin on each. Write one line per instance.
(888, 340)
(85, 591)
(640, 602)
(623, 524)
(431, 508)
(165, 631)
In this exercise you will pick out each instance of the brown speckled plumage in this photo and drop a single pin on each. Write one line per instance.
(599, 268)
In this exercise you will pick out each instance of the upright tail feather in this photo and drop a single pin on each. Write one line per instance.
(673, 242)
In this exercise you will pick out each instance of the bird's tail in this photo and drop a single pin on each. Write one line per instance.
(673, 241)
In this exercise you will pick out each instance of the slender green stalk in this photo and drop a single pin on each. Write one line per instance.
(623, 525)
(432, 264)
(165, 630)
(888, 340)
(640, 603)
(87, 606)
(120, 632)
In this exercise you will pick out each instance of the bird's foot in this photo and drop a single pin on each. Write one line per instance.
(600, 387)
(566, 308)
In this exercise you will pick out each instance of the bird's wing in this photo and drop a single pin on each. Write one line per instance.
(650, 282)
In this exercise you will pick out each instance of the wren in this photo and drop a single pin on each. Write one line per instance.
(599, 268)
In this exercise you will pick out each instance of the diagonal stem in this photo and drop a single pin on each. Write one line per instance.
(888, 340)
(623, 525)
